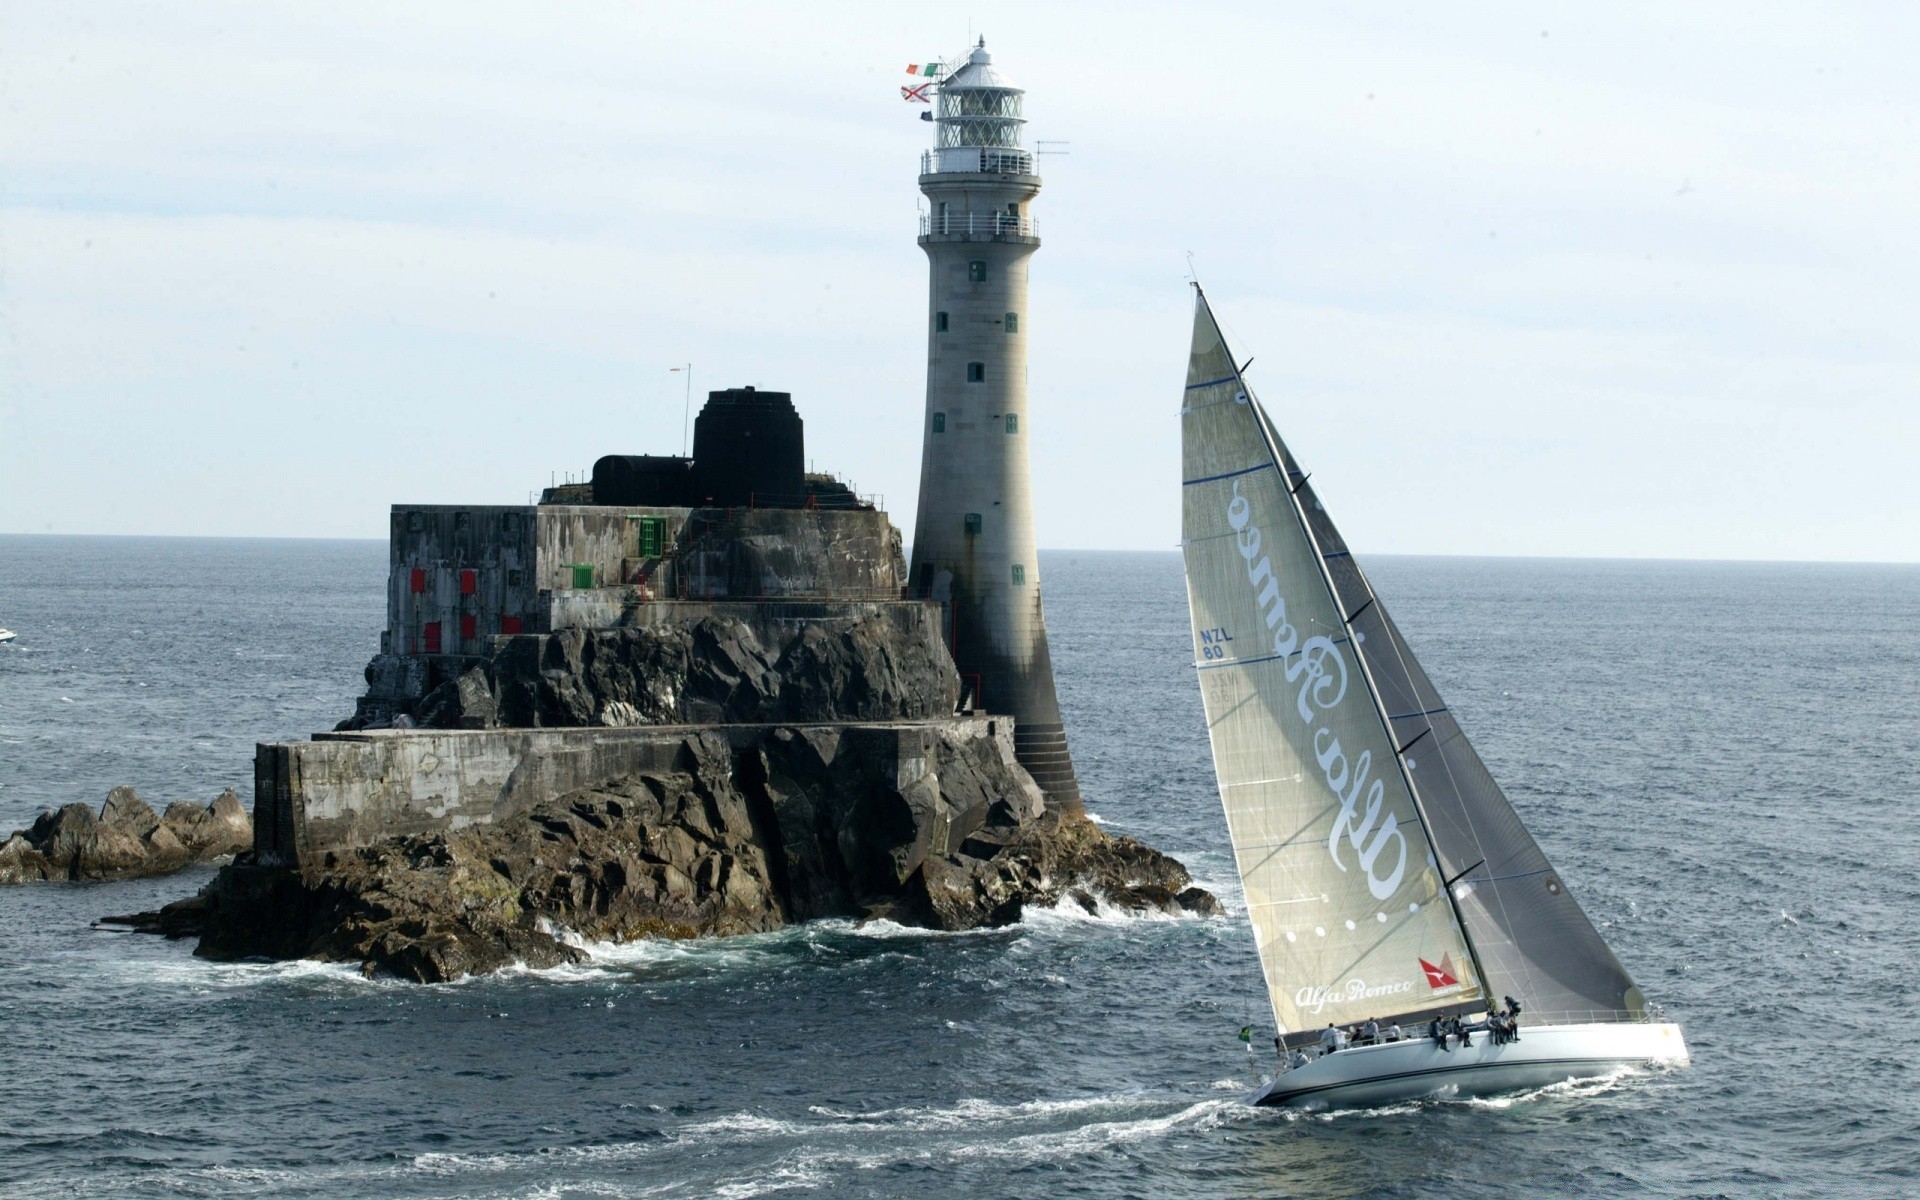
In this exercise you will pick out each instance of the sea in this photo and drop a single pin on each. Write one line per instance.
(1722, 760)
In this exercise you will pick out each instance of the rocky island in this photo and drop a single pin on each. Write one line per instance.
(125, 840)
(695, 697)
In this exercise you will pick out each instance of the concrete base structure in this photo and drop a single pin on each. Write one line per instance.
(342, 790)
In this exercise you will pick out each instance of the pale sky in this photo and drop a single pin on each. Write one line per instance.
(1524, 279)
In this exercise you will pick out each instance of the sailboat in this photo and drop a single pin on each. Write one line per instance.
(1390, 884)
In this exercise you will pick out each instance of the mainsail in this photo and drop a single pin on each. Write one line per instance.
(1385, 873)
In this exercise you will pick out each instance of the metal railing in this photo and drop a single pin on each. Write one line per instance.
(980, 160)
(977, 225)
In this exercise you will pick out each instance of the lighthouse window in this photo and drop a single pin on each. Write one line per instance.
(939, 322)
(1019, 574)
(977, 271)
(940, 422)
(976, 372)
(973, 523)
(1013, 423)
(1013, 322)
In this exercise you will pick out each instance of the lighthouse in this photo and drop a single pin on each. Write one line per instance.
(973, 543)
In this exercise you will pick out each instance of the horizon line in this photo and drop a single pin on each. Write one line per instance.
(1170, 549)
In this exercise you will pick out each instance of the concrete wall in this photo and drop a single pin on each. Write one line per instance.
(604, 537)
(518, 561)
(490, 546)
(343, 790)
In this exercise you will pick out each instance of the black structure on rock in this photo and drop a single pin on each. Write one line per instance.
(749, 451)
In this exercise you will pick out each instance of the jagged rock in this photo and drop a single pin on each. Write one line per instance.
(126, 840)
(125, 810)
(181, 919)
(887, 664)
(805, 823)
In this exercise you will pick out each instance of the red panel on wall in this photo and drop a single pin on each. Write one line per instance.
(469, 581)
(432, 635)
(466, 625)
(419, 583)
(509, 624)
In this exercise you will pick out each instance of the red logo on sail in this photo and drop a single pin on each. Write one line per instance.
(1441, 976)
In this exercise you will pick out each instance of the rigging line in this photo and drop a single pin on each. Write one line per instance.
(1356, 612)
(1244, 366)
(1547, 870)
(1295, 490)
(1427, 713)
(1274, 444)
(1416, 737)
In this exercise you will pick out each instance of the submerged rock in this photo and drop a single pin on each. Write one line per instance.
(126, 840)
(804, 823)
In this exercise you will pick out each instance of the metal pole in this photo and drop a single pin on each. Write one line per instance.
(686, 412)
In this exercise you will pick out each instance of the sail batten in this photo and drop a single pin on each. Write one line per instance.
(1332, 738)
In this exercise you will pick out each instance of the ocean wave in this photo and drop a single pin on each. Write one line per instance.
(971, 1113)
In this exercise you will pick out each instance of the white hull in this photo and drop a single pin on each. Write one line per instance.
(1545, 1054)
(7, 635)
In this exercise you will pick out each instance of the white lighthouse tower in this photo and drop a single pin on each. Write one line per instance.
(973, 543)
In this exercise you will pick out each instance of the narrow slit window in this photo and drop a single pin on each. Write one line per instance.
(939, 322)
(977, 271)
(1019, 574)
(1013, 322)
(939, 422)
(976, 372)
(1013, 422)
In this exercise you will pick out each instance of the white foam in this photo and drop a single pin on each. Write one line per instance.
(972, 1113)
(1069, 911)
(1568, 1088)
